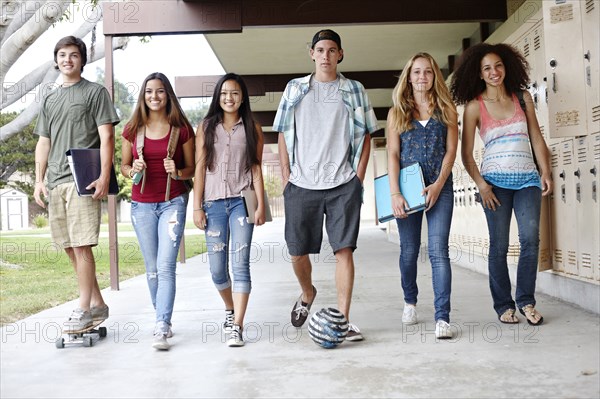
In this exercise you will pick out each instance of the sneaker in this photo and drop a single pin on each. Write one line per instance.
(301, 309)
(170, 333)
(79, 320)
(160, 341)
(229, 319)
(235, 337)
(409, 315)
(353, 333)
(442, 330)
(99, 313)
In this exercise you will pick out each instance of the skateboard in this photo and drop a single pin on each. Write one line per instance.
(86, 337)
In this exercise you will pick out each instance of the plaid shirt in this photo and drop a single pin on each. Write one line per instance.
(361, 117)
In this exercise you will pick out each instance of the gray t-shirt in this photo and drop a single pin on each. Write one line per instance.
(70, 117)
(322, 149)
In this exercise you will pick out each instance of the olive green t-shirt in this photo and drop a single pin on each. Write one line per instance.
(70, 117)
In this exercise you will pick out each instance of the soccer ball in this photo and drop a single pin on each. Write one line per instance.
(328, 328)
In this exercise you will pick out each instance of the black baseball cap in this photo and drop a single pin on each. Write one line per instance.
(327, 34)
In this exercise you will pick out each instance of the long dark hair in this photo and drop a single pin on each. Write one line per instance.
(175, 114)
(214, 116)
(466, 84)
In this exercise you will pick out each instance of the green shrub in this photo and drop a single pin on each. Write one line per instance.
(40, 220)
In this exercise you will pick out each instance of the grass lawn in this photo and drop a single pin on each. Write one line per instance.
(35, 274)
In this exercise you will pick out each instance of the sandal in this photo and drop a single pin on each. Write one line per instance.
(533, 317)
(508, 317)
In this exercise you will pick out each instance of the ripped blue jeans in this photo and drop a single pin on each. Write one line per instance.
(159, 227)
(228, 239)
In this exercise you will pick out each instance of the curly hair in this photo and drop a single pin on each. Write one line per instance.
(404, 101)
(465, 86)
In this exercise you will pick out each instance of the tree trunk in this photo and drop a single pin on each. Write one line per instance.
(15, 14)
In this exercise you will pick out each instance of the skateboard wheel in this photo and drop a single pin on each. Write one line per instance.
(102, 332)
(60, 343)
(88, 341)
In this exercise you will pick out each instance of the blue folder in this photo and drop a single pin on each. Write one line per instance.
(411, 186)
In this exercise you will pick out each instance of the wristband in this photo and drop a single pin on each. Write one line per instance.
(394, 194)
(130, 174)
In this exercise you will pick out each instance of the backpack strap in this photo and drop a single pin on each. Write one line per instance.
(139, 146)
(171, 146)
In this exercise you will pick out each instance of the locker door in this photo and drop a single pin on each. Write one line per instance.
(594, 174)
(564, 68)
(557, 206)
(568, 220)
(584, 207)
(590, 17)
(538, 79)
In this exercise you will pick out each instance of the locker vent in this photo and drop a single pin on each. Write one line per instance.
(596, 113)
(567, 118)
(586, 260)
(567, 156)
(554, 160)
(590, 5)
(582, 154)
(572, 259)
(558, 257)
(526, 50)
(542, 130)
(545, 256)
(514, 250)
(537, 42)
(561, 13)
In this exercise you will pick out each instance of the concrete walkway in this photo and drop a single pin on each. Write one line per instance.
(486, 359)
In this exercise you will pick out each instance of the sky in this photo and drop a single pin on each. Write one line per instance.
(173, 55)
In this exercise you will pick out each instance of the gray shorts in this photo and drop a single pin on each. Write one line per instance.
(304, 211)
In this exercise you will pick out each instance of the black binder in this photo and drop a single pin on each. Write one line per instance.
(86, 167)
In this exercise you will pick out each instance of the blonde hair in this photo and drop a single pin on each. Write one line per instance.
(438, 97)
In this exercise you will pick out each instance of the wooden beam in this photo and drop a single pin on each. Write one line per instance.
(258, 85)
(327, 12)
(156, 17)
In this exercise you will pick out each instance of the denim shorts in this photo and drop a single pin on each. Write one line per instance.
(305, 210)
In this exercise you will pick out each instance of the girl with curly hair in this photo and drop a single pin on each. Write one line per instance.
(490, 80)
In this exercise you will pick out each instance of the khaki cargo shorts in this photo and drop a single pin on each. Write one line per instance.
(74, 220)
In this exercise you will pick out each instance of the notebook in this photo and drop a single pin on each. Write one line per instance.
(251, 203)
(85, 168)
(411, 186)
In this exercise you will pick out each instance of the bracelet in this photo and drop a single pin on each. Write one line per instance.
(199, 209)
(394, 194)
(130, 174)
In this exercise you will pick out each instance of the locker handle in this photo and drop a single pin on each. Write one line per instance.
(554, 89)
(587, 55)
(593, 171)
(562, 175)
(577, 173)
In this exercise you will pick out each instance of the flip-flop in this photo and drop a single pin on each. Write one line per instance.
(530, 314)
(508, 317)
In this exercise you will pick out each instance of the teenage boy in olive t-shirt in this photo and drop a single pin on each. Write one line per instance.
(77, 114)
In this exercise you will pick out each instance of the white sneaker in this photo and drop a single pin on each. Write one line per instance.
(442, 330)
(235, 337)
(409, 315)
(354, 333)
(160, 341)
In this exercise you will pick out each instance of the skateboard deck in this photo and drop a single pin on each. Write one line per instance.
(86, 337)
